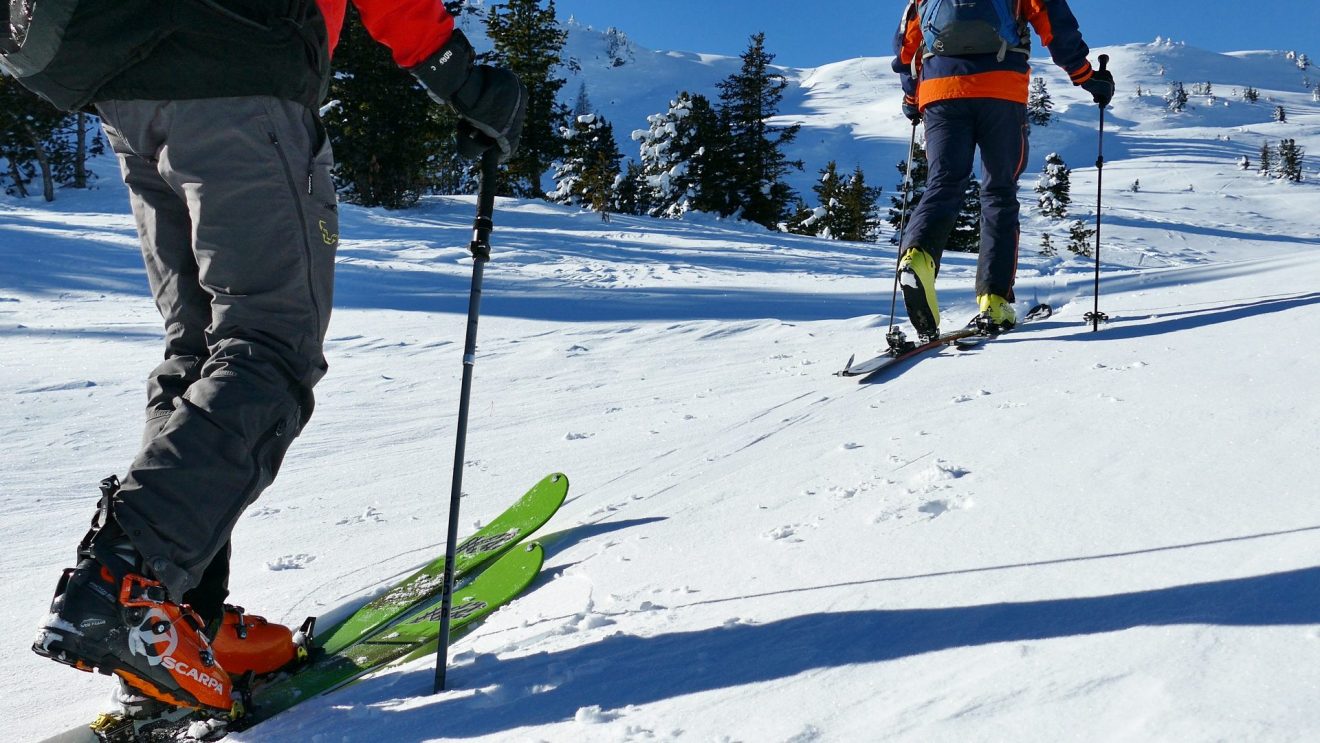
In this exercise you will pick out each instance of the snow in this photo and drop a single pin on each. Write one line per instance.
(1059, 535)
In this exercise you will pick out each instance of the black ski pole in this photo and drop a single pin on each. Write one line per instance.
(894, 337)
(1096, 317)
(484, 225)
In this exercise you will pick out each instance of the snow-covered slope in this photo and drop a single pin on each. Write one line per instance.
(1064, 535)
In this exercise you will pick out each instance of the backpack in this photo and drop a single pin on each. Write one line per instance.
(955, 28)
(65, 50)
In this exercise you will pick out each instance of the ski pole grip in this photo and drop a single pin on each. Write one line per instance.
(1104, 62)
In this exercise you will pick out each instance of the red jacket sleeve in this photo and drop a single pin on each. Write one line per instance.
(412, 29)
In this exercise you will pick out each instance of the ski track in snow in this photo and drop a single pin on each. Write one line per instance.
(1057, 535)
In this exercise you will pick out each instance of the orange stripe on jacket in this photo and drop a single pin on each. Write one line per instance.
(1004, 85)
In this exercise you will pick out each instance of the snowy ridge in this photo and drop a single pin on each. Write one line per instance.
(1059, 536)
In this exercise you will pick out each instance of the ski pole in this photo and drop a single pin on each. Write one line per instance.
(908, 186)
(480, 247)
(1096, 317)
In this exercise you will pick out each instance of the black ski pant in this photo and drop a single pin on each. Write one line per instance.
(955, 129)
(237, 215)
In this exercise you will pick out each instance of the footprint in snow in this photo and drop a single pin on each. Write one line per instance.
(577, 436)
(783, 534)
(290, 562)
(369, 515)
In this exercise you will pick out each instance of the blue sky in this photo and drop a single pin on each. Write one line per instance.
(806, 33)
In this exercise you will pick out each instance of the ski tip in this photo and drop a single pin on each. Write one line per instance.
(846, 367)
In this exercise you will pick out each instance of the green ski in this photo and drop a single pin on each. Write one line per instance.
(412, 636)
(494, 539)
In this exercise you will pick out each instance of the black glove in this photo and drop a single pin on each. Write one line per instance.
(912, 113)
(1101, 87)
(491, 100)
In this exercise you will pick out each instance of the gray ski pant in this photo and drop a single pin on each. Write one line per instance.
(955, 129)
(237, 215)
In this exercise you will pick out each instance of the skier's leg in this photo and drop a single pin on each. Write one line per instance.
(254, 174)
(165, 232)
(1002, 134)
(950, 150)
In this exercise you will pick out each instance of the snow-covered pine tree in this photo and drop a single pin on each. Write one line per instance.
(1080, 235)
(912, 187)
(756, 163)
(1177, 97)
(1054, 187)
(1250, 95)
(617, 47)
(1266, 159)
(673, 154)
(528, 39)
(1289, 167)
(1039, 103)
(966, 235)
(826, 218)
(589, 170)
(1244, 163)
(1315, 94)
(630, 192)
(1303, 62)
(1280, 114)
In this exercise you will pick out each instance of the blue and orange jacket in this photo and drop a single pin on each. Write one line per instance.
(985, 75)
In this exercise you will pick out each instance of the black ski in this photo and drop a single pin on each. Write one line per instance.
(967, 337)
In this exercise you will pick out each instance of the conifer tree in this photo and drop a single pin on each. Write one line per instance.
(589, 171)
(1266, 159)
(672, 155)
(1039, 103)
(910, 188)
(38, 141)
(1080, 235)
(392, 143)
(528, 40)
(1047, 248)
(1177, 97)
(966, 235)
(1280, 115)
(757, 164)
(631, 195)
(1054, 187)
(1290, 161)
(861, 209)
(823, 220)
